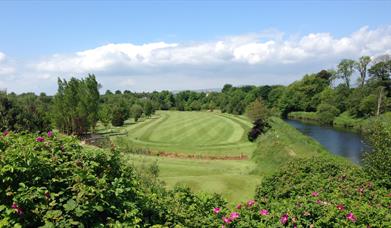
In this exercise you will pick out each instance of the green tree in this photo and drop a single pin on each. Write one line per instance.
(148, 108)
(136, 111)
(327, 113)
(105, 114)
(257, 110)
(76, 105)
(345, 70)
(361, 66)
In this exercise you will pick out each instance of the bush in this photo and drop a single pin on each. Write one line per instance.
(377, 162)
(327, 113)
(50, 180)
(322, 192)
(53, 181)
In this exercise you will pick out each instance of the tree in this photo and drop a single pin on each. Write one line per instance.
(136, 111)
(345, 70)
(148, 108)
(381, 74)
(76, 105)
(327, 113)
(226, 88)
(257, 110)
(259, 114)
(361, 66)
(105, 114)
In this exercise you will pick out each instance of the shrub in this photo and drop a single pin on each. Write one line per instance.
(327, 113)
(377, 162)
(322, 192)
(54, 181)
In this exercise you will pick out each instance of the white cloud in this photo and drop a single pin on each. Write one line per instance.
(268, 57)
(5, 68)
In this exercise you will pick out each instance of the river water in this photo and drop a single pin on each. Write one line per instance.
(344, 143)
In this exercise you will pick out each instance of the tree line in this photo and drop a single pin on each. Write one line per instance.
(77, 106)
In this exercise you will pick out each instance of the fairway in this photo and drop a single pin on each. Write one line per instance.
(197, 133)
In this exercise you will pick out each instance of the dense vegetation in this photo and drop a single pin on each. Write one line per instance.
(51, 179)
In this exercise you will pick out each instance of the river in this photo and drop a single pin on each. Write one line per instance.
(344, 143)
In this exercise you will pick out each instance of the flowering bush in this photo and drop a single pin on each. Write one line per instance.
(51, 180)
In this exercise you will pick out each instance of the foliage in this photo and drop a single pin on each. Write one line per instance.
(327, 113)
(377, 162)
(50, 180)
(75, 106)
(136, 111)
(257, 110)
(319, 192)
(53, 181)
(345, 70)
(26, 112)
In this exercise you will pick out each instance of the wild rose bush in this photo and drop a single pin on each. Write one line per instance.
(50, 180)
(324, 192)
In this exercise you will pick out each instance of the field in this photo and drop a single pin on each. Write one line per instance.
(209, 151)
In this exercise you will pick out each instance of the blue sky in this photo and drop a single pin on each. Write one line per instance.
(43, 33)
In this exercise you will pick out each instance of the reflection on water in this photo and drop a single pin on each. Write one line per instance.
(344, 143)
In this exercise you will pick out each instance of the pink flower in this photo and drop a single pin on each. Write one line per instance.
(319, 201)
(50, 134)
(5, 133)
(264, 212)
(216, 210)
(47, 195)
(239, 206)
(351, 217)
(39, 139)
(314, 194)
(284, 219)
(222, 226)
(250, 203)
(18, 210)
(227, 220)
(14, 206)
(340, 207)
(234, 215)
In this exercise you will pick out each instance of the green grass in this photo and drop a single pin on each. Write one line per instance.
(197, 133)
(281, 144)
(309, 116)
(232, 179)
(215, 134)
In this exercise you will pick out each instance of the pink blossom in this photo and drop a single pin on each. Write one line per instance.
(222, 226)
(216, 210)
(5, 133)
(227, 220)
(314, 194)
(239, 206)
(264, 212)
(250, 203)
(234, 215)
(18, 210)
(50, 134)
(40, 139)
(351, 217)
(47, 195)
(284, 219)
(340, 207)
(319, 201)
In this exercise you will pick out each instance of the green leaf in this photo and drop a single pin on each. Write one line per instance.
(70, 205)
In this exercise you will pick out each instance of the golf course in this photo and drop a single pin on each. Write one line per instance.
(209, 151)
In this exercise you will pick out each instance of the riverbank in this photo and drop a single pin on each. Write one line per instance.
(344, 120)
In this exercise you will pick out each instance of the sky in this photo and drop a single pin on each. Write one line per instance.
(177, 45)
